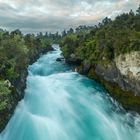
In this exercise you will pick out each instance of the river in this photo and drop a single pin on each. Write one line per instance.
(60, 104)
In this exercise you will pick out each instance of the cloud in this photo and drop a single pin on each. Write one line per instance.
(57, 15)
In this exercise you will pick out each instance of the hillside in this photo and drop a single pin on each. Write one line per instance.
(109, 53)
(17, 51)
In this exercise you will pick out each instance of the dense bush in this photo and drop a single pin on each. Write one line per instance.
(105, 41)
(16, 53)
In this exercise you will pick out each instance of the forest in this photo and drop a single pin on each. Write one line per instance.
(94, 50)
(17, 52)
(86, 44)
(102, 42)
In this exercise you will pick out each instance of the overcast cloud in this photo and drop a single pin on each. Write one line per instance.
(56, 15)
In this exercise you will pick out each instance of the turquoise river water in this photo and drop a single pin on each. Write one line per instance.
(60, 104)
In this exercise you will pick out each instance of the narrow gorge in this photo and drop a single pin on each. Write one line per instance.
(60, 104)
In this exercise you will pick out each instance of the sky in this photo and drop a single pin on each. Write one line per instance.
(56, 15)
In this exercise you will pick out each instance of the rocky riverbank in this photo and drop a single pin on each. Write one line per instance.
(121, 78)
(110, 54)
(16, 90)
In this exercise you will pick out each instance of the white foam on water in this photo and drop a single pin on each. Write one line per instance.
(63, 105)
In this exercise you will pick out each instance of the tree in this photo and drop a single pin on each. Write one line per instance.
(70, 31)
(16, 32)
(46, 34)
(106, 20)
(64, 33)
(131, 13)
(138, 10)
(40, 35)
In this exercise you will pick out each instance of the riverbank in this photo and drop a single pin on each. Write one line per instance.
(14, 69)
(110, 54)
(73, 106)
(122, 85)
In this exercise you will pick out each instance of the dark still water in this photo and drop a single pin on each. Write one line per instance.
(62, 105)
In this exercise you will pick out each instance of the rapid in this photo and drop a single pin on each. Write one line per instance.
(60, 104)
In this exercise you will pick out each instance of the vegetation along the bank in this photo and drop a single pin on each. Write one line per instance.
(95, 50)
(17, 51)
(104, 52)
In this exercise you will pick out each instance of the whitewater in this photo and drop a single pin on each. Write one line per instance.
(60, 104)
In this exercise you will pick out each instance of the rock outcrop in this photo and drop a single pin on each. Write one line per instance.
(73, 60)
(129, 67)
(121, 78)
(61, 59)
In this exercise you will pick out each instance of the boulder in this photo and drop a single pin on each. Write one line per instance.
(60, 59)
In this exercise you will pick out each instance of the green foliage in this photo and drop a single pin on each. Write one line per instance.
(3, 105)
(11, 74)
(4, 90)
(102, 44)
(69, 42)
(105, 41)
(16, 53)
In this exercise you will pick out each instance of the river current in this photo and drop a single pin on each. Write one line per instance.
(60, 104)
